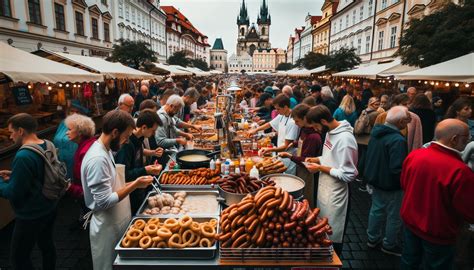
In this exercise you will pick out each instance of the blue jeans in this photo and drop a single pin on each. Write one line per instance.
(385, 205)
(433, 256)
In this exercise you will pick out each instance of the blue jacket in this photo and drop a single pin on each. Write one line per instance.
(386, 152)
(340, 115)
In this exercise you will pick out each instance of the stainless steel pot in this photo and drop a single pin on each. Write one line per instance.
(297, 193)
(231, 198)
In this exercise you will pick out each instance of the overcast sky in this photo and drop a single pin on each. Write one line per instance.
(217, 18)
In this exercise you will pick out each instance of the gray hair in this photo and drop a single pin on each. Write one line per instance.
(287, 90)
(123, 97)
(145, 82)
(175, 100)
(81, 123)
(192, 93)
(396, 114)
(326, 92)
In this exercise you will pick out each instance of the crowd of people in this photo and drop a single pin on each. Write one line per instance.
(417, 165)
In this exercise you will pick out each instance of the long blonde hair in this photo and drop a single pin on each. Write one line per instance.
(347, 105)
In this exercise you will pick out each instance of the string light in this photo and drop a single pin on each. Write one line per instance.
(97, 84)
(50, 88)
(419, 81)
(456, 84)
(29, 86)
(446, 84)
(467, 85)
(74, 86)
(67, 85)
(426, 82)
(60, 85)
(437, 83)
(432, 83)
(47, 83)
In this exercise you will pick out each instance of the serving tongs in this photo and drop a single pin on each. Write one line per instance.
(156, 185)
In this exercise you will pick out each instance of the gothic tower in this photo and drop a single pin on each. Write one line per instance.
(264, 22)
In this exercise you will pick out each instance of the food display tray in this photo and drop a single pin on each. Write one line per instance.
(184, 187)
(321, 254)
(215, 213)
(198, 253)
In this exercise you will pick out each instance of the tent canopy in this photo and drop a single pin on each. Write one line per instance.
(459, 69)
(296, 72)
(196, 71)
(21, 66)
(173, 70)
(97, 65)
(372, 71)
(318, 70)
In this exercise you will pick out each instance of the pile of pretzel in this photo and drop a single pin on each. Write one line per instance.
(201, 176)
(172, 233)
(270, 166)
(273, 219)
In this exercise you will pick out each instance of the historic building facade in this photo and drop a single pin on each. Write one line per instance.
(183, 36)
(218, 56)
(141, 20)
(82, 27)
(266, 60)
(251, 37)
(321, 29)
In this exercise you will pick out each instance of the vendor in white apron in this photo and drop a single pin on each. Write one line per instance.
(337, 167)
(287, 131)
(105, 193)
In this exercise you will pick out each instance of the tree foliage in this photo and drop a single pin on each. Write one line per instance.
(132, 53)
(201, 64)
(313, 60)
(438, 37)
(284, 66)
(343, 59)
(179, 58)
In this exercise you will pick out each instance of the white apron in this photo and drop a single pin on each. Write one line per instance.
(333, 199)
(290, 165)
(107, 226)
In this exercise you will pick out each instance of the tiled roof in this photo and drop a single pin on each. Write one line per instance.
(171, 11)
(315, 19)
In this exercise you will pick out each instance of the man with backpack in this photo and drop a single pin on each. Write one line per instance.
(33, 192)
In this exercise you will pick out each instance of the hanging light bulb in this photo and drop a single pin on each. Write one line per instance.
(467, 85)
(426, 82)
(419, 81)
(60, 85)
(437, 83)
(446, 84)
(97, 84)
(432, 83)
(47, 83)
(50, 88)
(67, 85)
(456, 84)
(389, 81)
(29, 86)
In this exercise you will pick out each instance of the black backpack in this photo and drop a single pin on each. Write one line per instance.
(56, 181)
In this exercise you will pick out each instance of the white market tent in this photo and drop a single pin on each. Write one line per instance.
(298, 72)
(280, 73)
(196, 71)
(94, 64)
(21, 66)
(459, 69)
(318, 70)
(372, 71)
(173, 70)
(215, 71)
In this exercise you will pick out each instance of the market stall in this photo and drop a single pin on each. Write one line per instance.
(375, 70)
(172, 70)
(233, 210)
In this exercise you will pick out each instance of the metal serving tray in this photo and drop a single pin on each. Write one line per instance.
(276, 254)
(198, 253)
(184, 187)
(215, 213)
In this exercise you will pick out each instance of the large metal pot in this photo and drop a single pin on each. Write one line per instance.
(232, 198)
(291, 183)
(184, 164)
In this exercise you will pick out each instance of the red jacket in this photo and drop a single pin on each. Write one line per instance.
(75, 190)
(439, 194)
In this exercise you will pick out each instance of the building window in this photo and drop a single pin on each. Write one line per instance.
(347, 21)
(361, 13)
(139, 19)
(354, 16)
(95, 28)
(340, 24)
(35, 11)
(384, 4)
(59, 16)
(367, 44)
(359, 45)
(120, 8)
(79, 23)
(133, 15)
(127, 12)
(106, 32)
(393, 37)
(380, 47)
(370, 8)
(104, 2)
(5, 8)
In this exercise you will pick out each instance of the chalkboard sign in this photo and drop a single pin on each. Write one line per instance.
(22, 95)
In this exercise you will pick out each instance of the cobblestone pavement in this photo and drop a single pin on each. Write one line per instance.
(73, 251)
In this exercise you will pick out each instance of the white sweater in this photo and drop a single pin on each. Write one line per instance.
(340, 152)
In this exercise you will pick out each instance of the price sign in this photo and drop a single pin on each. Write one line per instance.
(22, 95)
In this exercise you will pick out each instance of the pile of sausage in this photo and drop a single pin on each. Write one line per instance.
(202, 176)
(270, 166)
(242, 183)
(273, 219)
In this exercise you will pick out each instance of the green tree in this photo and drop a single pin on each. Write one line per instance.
(199, 63)
(179, 58)
(313, 60)
(438, 37)
(132, 53)
(343, 59)
(284, 66)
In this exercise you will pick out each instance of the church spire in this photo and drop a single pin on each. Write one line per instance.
(243, 18)
(264, 16)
